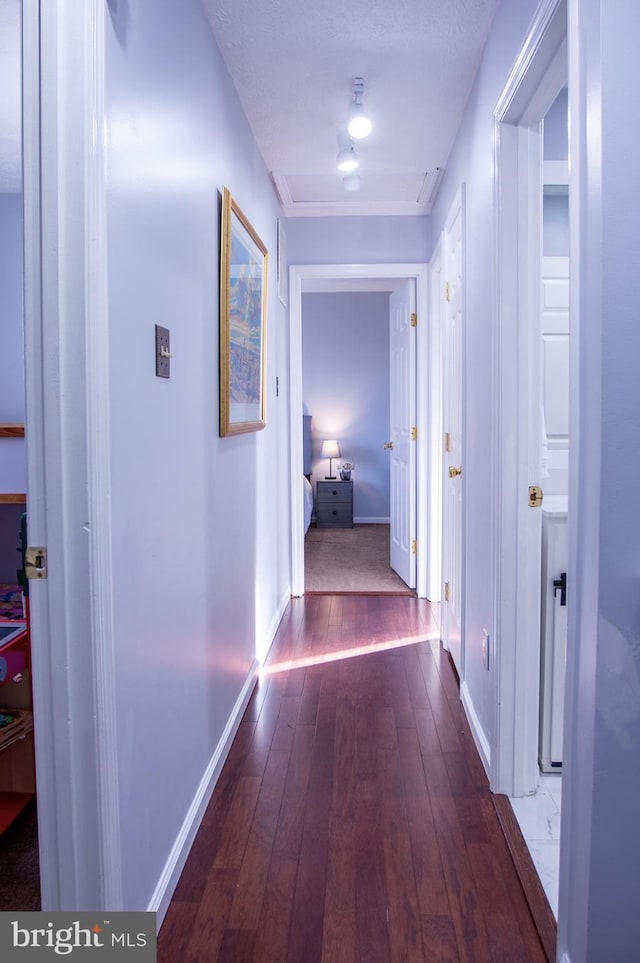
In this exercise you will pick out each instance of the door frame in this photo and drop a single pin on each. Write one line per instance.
(298, 275)
(457, 209)
(68, 466)
(538, 74)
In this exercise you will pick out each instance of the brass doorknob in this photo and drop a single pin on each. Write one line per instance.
(454, 472)
(388, 445)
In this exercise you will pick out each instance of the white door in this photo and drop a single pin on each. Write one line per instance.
(452, 412)
(402, 418)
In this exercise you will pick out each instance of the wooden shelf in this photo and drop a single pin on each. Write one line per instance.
(11, 430)
(13, 498)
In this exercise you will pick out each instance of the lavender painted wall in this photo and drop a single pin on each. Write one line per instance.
(12, 450)
(358, 240)
(200, 556)
(471, 163)
(345, 383)
(11, 309)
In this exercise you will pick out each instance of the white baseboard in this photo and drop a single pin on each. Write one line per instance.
(364, 520)
(273, 626)
(479, 737)
(180, 850)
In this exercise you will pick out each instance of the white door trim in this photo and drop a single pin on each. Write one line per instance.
(298, 274)
(537, 76)
(67, 418)
(436, 443)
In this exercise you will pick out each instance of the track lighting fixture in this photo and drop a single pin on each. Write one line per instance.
(359, 123)
(347, 159)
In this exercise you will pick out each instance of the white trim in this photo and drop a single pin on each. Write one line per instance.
(44, 717)
(67, 396)
(299, 273)
(99, 459)
(585, 466)
(479, 736)
(435, 467)
(293, 208)
(538, 74)
(159, 902)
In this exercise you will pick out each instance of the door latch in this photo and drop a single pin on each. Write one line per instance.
(35, 562)
(535, 496)
(561, 583)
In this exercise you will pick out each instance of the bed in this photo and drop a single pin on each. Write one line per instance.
(306, 477)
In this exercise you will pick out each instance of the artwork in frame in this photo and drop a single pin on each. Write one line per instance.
(243, 314)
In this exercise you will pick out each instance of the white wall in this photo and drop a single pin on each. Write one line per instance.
(345, 384)
(199, 558)
(600, 841)
(359, 240)
(471, 163)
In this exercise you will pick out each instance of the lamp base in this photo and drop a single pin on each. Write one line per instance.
(330, 477)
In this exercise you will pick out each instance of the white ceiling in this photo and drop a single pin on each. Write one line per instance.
(10, 149)
(293, 63)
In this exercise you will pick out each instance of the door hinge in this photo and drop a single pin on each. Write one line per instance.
(447, 441)
(414, 546)
(446, 591)
(414, 433)
(35, 562)
(535, 496)
(447, 291)
(414, 319)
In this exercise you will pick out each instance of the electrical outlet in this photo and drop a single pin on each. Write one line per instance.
(163, 355)
(485, 649)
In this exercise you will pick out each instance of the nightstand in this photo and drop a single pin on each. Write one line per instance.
(334, 504)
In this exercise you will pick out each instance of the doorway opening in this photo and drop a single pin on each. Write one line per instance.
(531, 419)
(307, 278)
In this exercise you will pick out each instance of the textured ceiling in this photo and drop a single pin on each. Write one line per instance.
(293, 64)
(10, 156)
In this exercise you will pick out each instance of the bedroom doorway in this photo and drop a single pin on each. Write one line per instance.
(327, 278)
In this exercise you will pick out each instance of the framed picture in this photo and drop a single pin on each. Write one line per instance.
(243, 313)
(282, 264)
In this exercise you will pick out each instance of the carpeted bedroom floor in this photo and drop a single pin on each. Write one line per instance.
(350, 560)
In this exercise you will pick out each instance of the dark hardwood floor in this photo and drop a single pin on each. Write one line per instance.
(352, 820)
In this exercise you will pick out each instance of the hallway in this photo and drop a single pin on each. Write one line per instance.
(352, 820)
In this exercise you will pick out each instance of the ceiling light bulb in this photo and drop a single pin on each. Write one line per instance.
(359, 123)
(347, 159)
(351, 182)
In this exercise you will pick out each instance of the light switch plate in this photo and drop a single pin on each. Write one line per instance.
(163, 357)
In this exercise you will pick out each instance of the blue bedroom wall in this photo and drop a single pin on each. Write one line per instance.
(345, 382)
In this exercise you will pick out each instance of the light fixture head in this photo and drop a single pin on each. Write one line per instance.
(351, 182)
(359, 122)
(347, 159)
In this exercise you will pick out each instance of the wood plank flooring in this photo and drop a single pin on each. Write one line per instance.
(352, 820)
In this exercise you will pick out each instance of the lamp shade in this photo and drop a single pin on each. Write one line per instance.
(330, 448)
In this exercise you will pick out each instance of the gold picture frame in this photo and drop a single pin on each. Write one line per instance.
(243, 322)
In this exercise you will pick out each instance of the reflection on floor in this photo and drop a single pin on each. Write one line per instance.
(539, 820)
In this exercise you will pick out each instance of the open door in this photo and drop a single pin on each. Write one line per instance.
(402, 419)
(453, 461)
